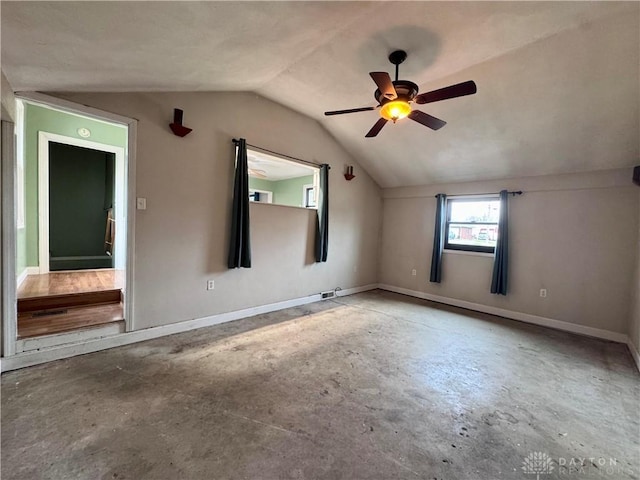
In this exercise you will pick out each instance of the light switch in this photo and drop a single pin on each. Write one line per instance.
(141, 203)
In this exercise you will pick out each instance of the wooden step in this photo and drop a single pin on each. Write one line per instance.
(68, 300)
(32, 324)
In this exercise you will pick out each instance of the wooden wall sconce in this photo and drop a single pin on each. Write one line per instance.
(176, 127)
(349, 173)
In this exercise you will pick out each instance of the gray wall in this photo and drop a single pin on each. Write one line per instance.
(634, 324)
(575, 235)
(182, 237)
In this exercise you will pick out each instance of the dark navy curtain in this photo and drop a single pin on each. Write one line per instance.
(500, 275)
(240, 242)
(322, 227)
(438, 239)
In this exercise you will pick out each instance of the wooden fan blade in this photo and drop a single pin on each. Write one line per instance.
(377, 127)
(352, 110)
(427, 120)
(385, 85)
(452, 91)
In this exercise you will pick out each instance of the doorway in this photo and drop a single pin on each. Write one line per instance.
(81, 200)
(73, 251)
(81, 204)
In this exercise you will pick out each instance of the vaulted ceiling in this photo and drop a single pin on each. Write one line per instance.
(558, 82)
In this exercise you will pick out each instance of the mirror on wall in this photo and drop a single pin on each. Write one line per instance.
(279, 181)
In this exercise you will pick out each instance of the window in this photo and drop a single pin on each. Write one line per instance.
(472, 224)
(261, 196)
(280, 181)
(309, 196)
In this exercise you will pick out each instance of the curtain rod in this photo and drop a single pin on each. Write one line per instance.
(518, 192)
(236, 141)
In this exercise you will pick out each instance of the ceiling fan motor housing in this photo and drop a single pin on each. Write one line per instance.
(405, 89)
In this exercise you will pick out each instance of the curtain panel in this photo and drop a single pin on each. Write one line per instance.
(500, 277)
(240, 241)
(438, 239)
(322, 226)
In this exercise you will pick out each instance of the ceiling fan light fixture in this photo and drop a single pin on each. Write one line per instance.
(395, 110)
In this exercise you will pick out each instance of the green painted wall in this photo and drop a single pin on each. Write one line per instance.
(285, 192)
(261, 184)
(289, 192)
(21, 251)
(43, 119)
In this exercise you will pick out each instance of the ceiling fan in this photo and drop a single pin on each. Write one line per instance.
(395, 97)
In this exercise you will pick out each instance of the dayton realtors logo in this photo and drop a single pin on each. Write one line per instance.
(537, 463)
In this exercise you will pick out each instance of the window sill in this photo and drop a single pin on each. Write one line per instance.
(313, 209)
(465, 252)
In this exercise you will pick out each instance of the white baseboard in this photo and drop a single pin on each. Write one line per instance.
(50, 353)
(27, 271)
(634, 353)
(65, 338)
(354, 290)
(523, 317)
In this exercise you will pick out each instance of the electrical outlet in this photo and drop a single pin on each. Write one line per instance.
(543, 292)
(211, 284)
(141, 203)
(413, 272)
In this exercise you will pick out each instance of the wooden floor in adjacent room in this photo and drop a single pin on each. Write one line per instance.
(67, 282)
(65, 301)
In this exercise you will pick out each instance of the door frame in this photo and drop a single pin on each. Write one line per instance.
(119, 259)
(9, 231)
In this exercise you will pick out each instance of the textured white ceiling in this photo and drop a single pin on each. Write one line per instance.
(558, 82)
(274, 168)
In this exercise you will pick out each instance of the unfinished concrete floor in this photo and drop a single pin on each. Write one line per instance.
(375, 385)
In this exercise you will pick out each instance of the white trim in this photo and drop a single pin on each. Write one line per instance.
(127, 292)
(55, 103)
(634, 353)
(354, 290)
(8, 167)
(76, 336)
(520, 316)
(467, 252)
(20, 174)
(44, 138)
(25, 273)
(473, 196)
(22, 277)
(27, 359)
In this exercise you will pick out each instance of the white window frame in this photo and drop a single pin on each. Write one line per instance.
(304, 195)
(261, 192)
(465, 249)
